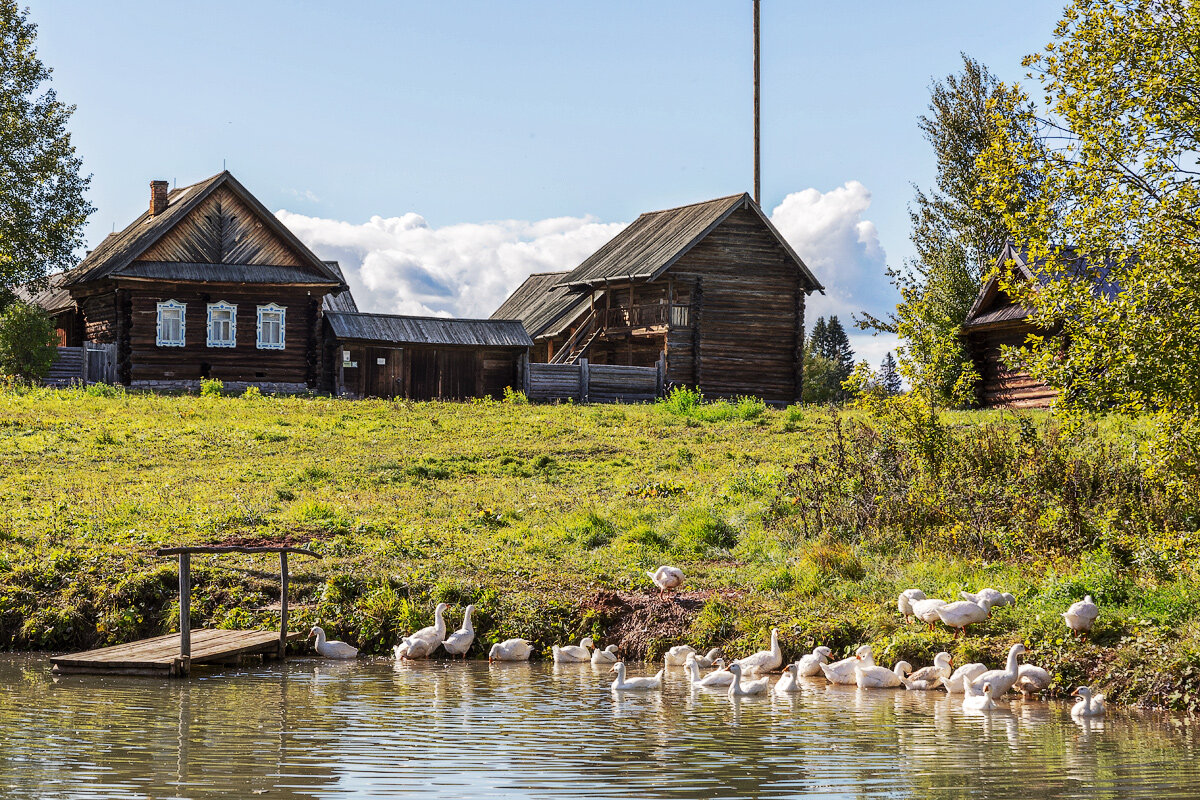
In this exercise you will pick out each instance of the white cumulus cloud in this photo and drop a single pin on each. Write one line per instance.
(403, 265)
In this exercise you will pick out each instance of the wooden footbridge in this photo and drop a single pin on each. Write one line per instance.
(174, 654)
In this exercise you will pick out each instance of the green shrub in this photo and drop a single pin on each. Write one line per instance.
(211, 387)
(515, 397)
(104, 390)
(681, 402)
(28, 341)
(251, 393)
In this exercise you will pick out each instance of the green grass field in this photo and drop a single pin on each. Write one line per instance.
(546, 517)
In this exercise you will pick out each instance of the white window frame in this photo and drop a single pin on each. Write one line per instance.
(272, 308)
(232, 309)
(170, 305)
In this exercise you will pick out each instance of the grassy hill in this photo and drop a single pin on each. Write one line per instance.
(546, 517)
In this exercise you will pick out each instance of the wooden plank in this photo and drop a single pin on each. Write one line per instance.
(161, 652)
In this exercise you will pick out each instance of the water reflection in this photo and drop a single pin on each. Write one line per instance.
(371, 728)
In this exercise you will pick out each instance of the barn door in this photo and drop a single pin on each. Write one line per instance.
(458, 374)
(423, 375)
(383, 370)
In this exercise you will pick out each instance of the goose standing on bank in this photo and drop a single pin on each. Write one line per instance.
(330, 649)
(810, 665)
(763, 660)
(905, 600)
(459, 642)
(573, 653)
(989, 596)
(740, 689)
(623, 684)
(666, 579)
(961, 613)
(928, 678)
(1081, 616)
(842, 672)
(1001, 680)
(510, 650)
(424, 642)
(606, 656)
(1032, 680)
(788, 684)
(1088, 705)
(926, 610)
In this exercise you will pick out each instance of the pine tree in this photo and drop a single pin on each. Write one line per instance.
(889, 376)
(829, 360)
(42, 208)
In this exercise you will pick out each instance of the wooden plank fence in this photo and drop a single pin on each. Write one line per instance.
(594, 383)
(92, 363)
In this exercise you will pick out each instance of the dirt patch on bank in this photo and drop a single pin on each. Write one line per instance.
(643, 625)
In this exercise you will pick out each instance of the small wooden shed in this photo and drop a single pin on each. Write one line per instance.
(423, 358)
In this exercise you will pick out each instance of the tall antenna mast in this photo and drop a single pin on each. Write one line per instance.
(757, 155)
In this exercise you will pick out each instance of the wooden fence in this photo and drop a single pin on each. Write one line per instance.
(92, 363)
(594, 383)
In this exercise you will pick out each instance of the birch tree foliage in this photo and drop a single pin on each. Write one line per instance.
(1115, 144)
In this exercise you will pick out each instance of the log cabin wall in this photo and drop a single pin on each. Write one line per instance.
(293, 369)
(422, 372)
(1001, 386)
(747, 315)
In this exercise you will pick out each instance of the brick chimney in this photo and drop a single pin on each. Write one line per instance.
(158, 197)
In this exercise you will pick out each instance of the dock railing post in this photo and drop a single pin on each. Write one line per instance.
(283, 601)
(185, 605)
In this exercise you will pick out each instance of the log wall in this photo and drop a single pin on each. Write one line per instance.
(1001, 386)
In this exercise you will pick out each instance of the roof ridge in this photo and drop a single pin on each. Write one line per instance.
(418, 316)
(693, 205)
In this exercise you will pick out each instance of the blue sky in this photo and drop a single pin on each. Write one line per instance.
(444, 149)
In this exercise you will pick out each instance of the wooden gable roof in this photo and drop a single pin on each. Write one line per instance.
(400, 329)
(542, 305)
(231, 237)
(656, 240)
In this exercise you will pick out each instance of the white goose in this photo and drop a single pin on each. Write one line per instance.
(905, 600)
(870, 676)
(666, 579)
(1031, 679)
(978, 699)
(961, 677)
(1081, 616)
(510, 650)
(788, 684)
(810, 664)
(739, 689)
(330, 649)
(763, 660)
(842, 672)
(459, 642)
(926, 610)
(1088, 705)
(1001, 680)
(623, 684)
(928, 678)
(424, 642)
(678, 655)
(961, 613)
(606, 656)
(719, 677)
(990, 596)
(708, 659)
(573, 653)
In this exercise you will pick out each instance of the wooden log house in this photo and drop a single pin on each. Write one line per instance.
(711, 288)
(996, 321)
(207, 283)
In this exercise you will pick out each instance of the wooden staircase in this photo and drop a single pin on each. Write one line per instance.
(576, 346)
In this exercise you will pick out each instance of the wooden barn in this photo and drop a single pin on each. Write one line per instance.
(207, 283)
(423, 358)
(995, 321)
(711, 289)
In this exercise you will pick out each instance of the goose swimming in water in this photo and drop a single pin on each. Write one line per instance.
(330, 649)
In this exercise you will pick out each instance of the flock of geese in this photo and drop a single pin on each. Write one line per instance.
(748, 676)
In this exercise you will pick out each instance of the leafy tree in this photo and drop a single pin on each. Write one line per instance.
(956, 238)
(27, 341)
(821, 383)
(889, 375)
(42, 208)
(1115, 151)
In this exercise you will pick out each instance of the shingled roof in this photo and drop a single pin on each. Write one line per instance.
(52, 298)
(113, 256)
(397, 329)
(339, 302)
(541, 304)
(658, 239)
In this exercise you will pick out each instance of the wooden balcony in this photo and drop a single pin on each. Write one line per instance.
(654, 318)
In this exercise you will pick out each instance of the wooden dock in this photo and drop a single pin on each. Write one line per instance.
(160, 656)
(173, 655)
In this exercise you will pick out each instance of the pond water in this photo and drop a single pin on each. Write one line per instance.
(319, 729)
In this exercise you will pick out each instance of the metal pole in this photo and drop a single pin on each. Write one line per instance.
(185, 605)
(757, 156)
(283, 601)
